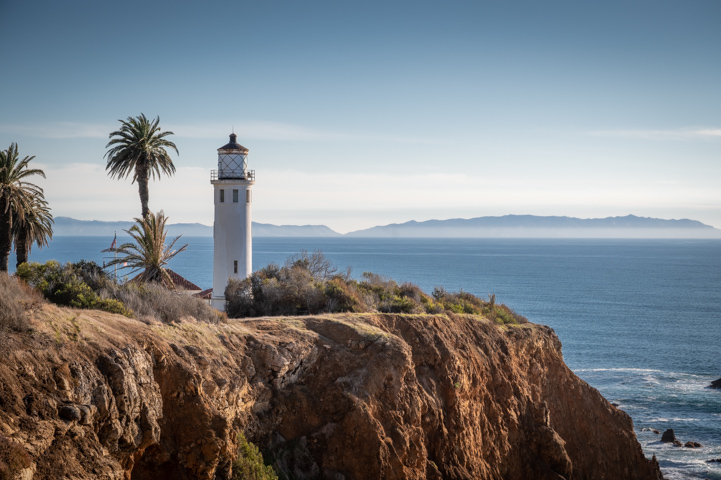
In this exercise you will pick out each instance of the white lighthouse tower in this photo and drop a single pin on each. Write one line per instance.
(233, 198)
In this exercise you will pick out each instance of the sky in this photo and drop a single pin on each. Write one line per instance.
(367, 113)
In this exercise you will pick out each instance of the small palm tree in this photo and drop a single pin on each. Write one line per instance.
(149, 252)
(139, 148)
(36, 228)
(16, 196)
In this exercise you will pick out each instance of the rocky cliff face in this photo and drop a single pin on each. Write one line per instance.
(92, 395)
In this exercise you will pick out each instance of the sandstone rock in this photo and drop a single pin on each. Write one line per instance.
(677, 443)
(668, 436)
(421, 397)
(692, 445)
(87, 413)
(716, 383)
(70, 412)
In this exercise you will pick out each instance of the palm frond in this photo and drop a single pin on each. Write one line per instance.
(20, 199)
(148, 254)
(138, 148)
(139, 141)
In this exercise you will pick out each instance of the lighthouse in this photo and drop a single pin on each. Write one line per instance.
(233, 198)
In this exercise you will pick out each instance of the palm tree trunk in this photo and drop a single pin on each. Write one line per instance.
(21, 247)
(6, 239)
(141, 173)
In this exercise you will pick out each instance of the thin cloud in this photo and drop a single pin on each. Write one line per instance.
(275, 131)
(253, 130)
(58, 130)
(677, 134)
(712, 132)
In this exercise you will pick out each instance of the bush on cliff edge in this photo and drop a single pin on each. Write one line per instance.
(68, 284)
(309, 284)
(85, 284)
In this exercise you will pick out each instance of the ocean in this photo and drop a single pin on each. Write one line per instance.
(640, 320)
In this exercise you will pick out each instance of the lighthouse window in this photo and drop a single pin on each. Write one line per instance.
(235, 196)
(222, 196)
(247, 196)
(235, 266)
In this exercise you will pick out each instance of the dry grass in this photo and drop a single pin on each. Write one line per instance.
(15, 299)
(153, 303)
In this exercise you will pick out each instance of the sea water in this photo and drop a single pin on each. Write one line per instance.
(640, 320)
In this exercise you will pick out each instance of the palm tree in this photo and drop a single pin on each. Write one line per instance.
(16, 196)
(139, 147)
(149, 252)
(36, 228)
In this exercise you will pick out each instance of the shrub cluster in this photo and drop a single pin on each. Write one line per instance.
(249, 464)
(152, 302)
(70, 284)
(309, 284)
(86, 285)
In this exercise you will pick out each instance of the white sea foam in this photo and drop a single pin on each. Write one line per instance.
(661, 419)
(620, 369)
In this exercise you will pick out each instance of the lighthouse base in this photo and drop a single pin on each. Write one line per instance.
(218, 303)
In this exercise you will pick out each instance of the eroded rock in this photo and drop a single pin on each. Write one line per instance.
(343, 396)
(70, 412)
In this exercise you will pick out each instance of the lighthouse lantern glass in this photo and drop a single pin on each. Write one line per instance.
(232, 165)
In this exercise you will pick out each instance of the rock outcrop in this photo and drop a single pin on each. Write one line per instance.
(91, 395)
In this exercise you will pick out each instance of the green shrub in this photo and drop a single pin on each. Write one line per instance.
(111, 305)
(90, 273)
(343, 297)
(66, 284)
(290, 290)
(85, 285)
(309, 284)
(239, 299)
(504, 315)
(461, 302)
(249, 463)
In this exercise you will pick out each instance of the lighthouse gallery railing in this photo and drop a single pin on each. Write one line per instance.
(247, 175)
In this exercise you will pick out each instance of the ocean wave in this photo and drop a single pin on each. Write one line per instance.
(684, 474)
(677, 376)
(672, 419)
(621, 369)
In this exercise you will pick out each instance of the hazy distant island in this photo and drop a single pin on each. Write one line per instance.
(66, 226)
(507, 226)
(532, 226)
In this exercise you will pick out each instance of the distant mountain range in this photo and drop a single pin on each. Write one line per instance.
(66, 226)
(531, 226)
(507, 226)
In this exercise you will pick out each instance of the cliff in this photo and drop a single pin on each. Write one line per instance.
(350, 396)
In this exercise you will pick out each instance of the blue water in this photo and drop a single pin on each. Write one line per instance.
(640, 320)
